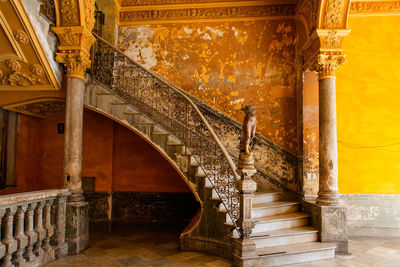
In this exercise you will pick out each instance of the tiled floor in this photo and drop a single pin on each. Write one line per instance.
(159, 247)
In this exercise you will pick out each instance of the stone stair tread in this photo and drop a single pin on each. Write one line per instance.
(118, 103)
(294, 249)
(104, 93)
(283, 217)
(286, 232)
(266, 192)
(159, 131)
(146, 122)
(275, 204)
(133, 112)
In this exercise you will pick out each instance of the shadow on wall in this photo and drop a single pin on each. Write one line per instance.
(131, 182)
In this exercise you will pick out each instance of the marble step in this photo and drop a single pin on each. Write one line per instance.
(291, 254)
(274, 208)
(260, 196)
(283, 237)
(280, 221)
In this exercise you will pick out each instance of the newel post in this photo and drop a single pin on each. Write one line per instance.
(245, 248)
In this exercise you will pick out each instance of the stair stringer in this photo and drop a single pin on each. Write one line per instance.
(209, 232)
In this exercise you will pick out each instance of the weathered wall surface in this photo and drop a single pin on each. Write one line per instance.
(225, 65)
(26, 171)
(373, 215)
(138, 167)
(310, 134)
(368, 100)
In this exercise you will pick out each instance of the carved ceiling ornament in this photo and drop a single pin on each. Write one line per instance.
(19, 78)
(368, 8)
(20, 72)
(21, 37)
(41, 108)
(219, 11)
(37, 70)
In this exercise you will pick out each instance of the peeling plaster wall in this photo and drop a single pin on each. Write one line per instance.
(310, 135)
(373, 215)
(225, 65)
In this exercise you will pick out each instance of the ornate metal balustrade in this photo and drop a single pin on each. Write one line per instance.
(174, 111)
(33, 227)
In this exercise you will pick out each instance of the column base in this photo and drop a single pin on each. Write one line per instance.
(77, 226)
(329, 199)
(331, 221)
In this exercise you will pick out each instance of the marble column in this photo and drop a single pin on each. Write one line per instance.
(328, 194)
(73, 138)
(77, 217)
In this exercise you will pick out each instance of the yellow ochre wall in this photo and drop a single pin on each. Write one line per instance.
(368, 107)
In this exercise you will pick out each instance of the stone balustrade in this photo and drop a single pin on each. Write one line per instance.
(33, 227)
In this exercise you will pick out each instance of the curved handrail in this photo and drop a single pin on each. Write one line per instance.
(115, 69)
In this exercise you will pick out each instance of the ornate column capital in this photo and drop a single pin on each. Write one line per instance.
(327, 65)
(75, 63)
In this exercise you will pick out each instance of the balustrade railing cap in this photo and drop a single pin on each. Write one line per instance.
(12, 199)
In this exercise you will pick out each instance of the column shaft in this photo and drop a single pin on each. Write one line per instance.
(328, 194)
(73, 136)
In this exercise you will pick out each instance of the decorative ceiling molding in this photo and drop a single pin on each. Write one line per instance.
(374, 8)
(139, 12)
(23, 63)
(41, 108)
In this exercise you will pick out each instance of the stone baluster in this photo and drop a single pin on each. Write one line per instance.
(8, 239)
(61, 248)
(2, 246)
(49, 231)
(19, 235)
(41, 232)
(30, 233)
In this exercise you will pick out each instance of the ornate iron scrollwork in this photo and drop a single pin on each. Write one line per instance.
(174, 111)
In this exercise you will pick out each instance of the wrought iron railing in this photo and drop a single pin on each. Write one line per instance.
(168, 106)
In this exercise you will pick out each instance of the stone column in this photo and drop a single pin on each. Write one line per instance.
(328, 194)
(73, 138)
(332, 215)
(77, 219)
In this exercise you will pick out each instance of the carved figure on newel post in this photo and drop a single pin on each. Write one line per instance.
(246, 157)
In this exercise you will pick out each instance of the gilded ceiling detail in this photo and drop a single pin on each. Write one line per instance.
(135, 12)
(23, 63)
(41, 108)
(374, 7)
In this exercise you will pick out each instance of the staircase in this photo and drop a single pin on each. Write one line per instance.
(162, 114)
